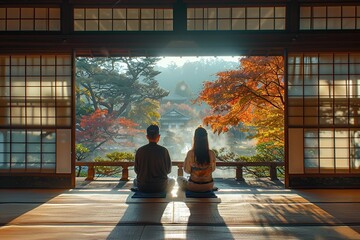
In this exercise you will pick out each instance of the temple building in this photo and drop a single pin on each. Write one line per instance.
(173, 119)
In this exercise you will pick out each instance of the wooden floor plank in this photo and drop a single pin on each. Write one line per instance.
(105, 210)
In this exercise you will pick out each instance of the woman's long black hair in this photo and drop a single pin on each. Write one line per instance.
(201, 146)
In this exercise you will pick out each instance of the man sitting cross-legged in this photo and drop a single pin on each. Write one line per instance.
(152, 165)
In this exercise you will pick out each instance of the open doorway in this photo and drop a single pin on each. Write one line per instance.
(118, 97)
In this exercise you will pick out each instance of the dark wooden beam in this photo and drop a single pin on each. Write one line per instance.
(189, 43)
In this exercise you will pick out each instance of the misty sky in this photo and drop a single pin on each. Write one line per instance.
(179, 61)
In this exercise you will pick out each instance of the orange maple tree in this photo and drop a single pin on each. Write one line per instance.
(101, 127)
(252, 95)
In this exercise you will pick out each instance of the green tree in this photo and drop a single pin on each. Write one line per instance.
(145, 113)
(111, 91)
(83, 106)
(115, 84)
(81, 153)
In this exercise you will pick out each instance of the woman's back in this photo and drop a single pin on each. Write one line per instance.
(200, 162)
(199, 173)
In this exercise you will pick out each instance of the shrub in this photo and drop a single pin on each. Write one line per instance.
(112, 157)
(263, 155)
(81, 153)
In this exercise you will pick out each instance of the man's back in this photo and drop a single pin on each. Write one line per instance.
(152, 164)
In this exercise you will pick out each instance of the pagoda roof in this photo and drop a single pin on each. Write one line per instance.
(174, 114)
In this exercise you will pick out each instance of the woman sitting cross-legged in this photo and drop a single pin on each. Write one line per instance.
(200, 162)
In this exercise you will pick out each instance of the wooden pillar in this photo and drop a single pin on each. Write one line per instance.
(239, 173)
(125, 173)
(180, 170)
(90, 173)
(273, 172)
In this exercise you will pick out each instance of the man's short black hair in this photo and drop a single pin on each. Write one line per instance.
(152, 131)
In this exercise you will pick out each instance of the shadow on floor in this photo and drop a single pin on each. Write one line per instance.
(15, 203)
(341, 205)
(206, 214)
(142, 215)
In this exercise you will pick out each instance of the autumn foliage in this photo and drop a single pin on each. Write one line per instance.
(252, 94)
(101, 127)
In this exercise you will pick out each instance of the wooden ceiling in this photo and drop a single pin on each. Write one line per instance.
(179, 41)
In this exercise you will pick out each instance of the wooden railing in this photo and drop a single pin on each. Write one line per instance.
(238, 165)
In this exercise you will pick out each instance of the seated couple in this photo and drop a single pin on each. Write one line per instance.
(153, 164)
